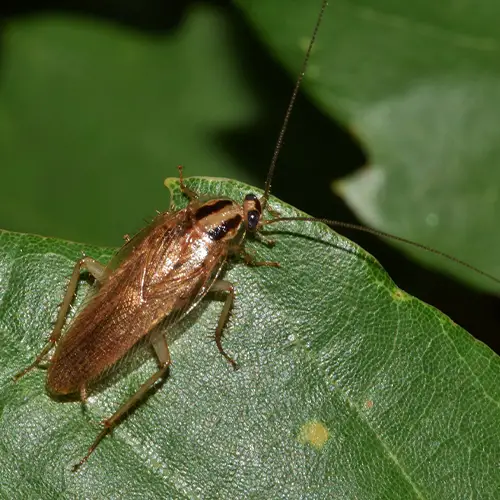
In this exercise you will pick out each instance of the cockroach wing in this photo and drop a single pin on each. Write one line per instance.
(165, 272)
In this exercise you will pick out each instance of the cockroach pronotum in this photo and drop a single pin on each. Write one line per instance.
(158, 276)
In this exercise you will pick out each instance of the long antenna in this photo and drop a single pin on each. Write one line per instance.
(347, 225)
(329, 222)
(279, 142)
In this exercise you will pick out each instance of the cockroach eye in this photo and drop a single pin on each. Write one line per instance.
(253, 217)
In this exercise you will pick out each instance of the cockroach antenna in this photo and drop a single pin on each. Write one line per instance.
(331, 222)
(382, 234)
(291, 104)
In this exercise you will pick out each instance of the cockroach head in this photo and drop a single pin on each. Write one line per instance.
(252, 211)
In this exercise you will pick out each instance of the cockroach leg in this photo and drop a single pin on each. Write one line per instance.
(249, 259)
(192, 195)
(224, 286)
(161, 349)
(99, 272)
(160, 346)
(264, 239)
(83, 394)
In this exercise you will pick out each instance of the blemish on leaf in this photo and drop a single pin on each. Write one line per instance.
(369, 404)
(313, 433)
(399, 294)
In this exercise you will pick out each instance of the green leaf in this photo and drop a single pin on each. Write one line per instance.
(94, 115)
(418, 84)
(348, 387)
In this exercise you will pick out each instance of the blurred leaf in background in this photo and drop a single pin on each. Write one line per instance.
(419, 85)
(94, 115)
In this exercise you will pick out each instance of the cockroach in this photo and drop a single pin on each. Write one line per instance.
(160, 275)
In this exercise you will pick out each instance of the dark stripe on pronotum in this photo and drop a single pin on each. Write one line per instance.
(207, 210)
(252, 197)
(217, 233)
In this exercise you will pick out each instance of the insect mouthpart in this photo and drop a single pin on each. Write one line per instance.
(252, 210)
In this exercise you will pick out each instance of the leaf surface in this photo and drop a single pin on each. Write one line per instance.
(348, 387)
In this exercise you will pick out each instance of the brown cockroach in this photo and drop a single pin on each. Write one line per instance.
(159, 275)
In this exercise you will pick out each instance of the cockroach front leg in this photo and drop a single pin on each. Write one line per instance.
(227, 287)
(162, 352)
(192, 195)
(99, 272)
(264, 239)
(250, 260)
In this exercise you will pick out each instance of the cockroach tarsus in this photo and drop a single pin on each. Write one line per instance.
(159, 276)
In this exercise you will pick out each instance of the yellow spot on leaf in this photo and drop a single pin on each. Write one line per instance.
(313, 433)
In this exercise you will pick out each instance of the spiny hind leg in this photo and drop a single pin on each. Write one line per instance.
(162, 352)
(99, 272)
(227, 287)
(192, 195)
